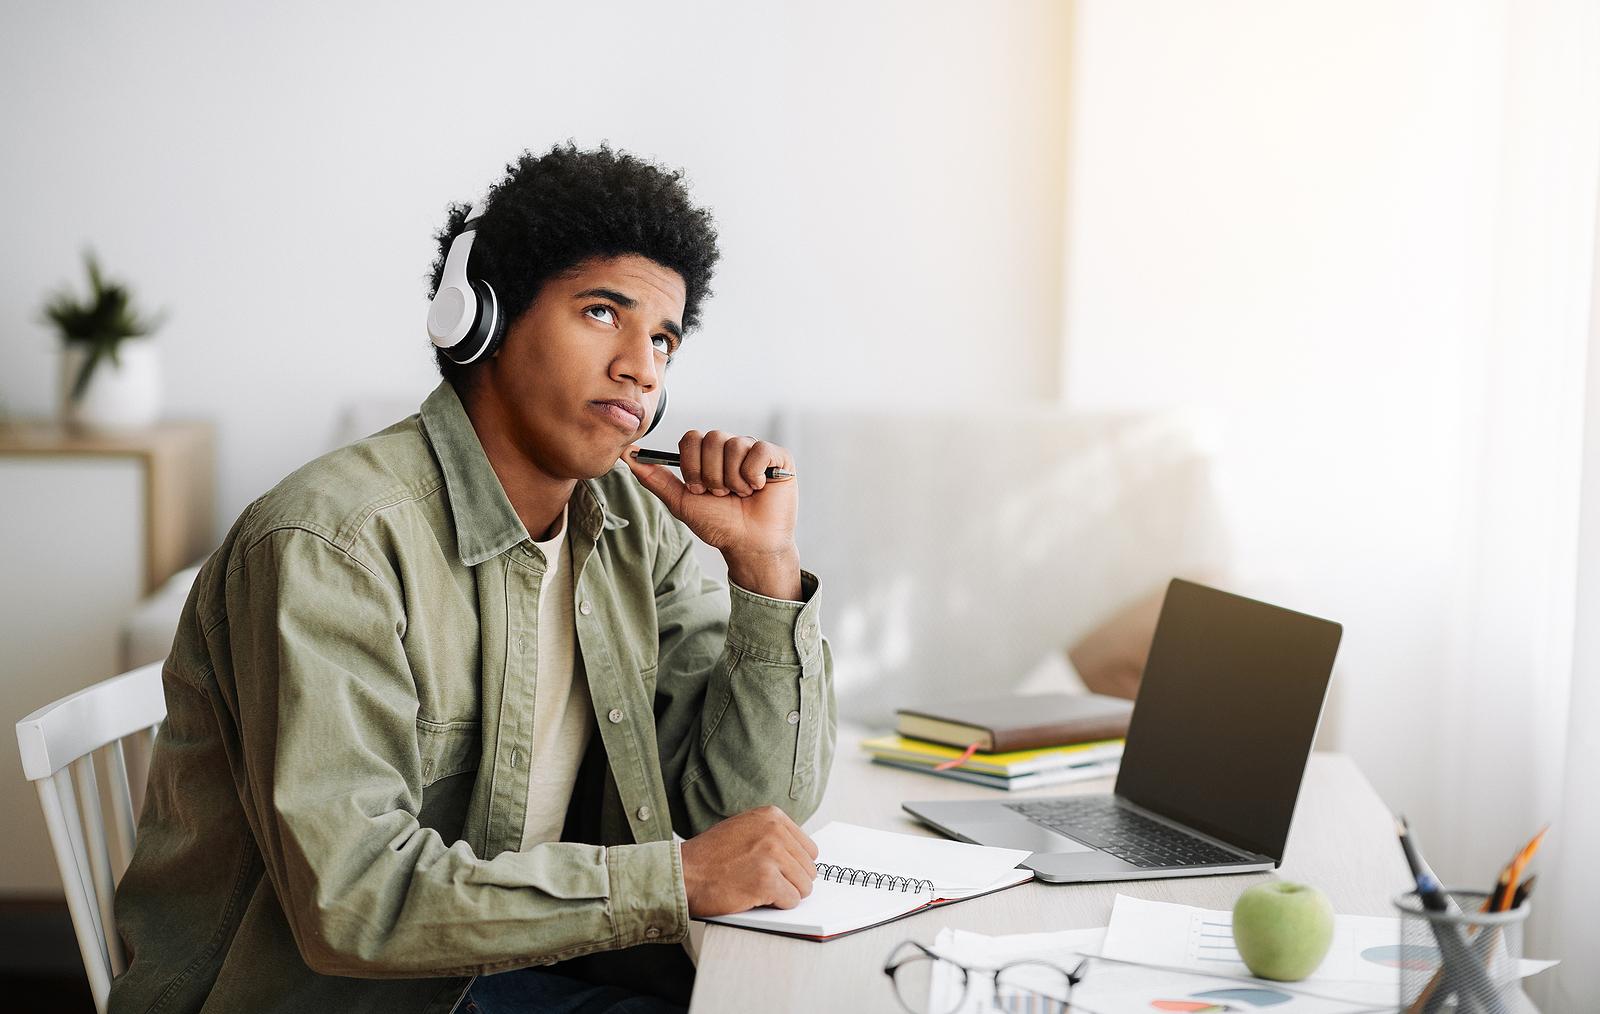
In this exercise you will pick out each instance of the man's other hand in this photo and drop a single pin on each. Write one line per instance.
(760, 857)
(727, 500)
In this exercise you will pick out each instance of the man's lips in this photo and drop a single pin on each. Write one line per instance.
(625, 413)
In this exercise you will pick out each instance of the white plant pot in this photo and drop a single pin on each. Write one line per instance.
(121, 395)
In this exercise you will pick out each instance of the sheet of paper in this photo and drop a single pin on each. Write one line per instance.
(831, 908)
(1107, 988)
(951, 865)
(1363, 963)
(1135, 989)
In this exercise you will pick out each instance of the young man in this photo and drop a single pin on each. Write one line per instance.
(442, 698)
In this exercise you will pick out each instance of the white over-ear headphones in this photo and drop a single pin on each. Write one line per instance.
(464, 318)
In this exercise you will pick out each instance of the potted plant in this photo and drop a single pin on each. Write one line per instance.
(110, 375)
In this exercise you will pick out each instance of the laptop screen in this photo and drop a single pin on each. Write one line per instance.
(1226, 714)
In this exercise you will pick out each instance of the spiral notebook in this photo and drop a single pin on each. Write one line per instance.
(868, 877)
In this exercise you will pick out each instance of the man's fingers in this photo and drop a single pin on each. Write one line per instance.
(787, 894)
(760, 456)
(689, 461)
(711, 462)
(734, 454)
(805, 841)
(659, 480)
(797, 852)
(803, 882)
(791, 878)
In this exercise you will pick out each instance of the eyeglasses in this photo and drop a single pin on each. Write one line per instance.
(928, 983)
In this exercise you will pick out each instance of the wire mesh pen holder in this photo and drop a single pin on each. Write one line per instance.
(1461, 960)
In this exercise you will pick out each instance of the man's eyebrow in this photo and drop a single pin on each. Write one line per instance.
(628, 303)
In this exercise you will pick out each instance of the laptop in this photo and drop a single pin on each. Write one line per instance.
(1216, 748)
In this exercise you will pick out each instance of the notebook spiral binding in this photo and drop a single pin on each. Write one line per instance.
(867, 878)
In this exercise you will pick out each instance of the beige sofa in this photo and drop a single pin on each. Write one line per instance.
(960, 552)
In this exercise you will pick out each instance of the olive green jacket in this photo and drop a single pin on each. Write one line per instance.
(338, 793)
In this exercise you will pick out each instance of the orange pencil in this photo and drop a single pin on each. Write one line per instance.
(1512, 874)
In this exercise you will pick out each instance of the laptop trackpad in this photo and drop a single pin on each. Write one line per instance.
(1019, 834)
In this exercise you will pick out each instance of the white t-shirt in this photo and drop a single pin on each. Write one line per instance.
(563, 717)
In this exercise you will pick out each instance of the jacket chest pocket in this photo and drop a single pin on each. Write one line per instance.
(449, 748)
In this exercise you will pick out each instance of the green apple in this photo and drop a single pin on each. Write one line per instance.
(1282, 930)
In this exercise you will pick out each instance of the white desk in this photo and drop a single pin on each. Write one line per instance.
(1342, 841)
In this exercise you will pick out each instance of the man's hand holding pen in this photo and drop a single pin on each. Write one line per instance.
(737, 494)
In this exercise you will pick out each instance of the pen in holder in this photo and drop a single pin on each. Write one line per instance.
(1461, 959)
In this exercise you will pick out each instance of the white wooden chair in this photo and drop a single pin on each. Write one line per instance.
(58, 743)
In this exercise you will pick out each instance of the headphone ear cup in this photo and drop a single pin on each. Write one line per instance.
(496, 328)
(661, 410)
(488, 328)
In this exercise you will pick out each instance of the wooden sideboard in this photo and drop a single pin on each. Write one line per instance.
(89, 525)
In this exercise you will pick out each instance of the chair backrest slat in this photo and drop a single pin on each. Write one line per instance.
(59, 816)
(68, 797)
(94, 836)
(121, 804)
(58, 743)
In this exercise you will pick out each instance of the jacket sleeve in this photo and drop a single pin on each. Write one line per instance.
(325, 707)
(746, 713)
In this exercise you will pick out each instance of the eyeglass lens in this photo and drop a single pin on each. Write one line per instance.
(1032, 988)
(1022, 988)
(915, 985)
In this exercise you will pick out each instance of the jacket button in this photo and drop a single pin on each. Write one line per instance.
(794, 718)
(585, 608)
(651, 933)
(615, 715)
(644, 813)
(806, 630)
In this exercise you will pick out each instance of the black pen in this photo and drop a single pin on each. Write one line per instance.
(1428, 888)
(1523, 891)
(644, 457)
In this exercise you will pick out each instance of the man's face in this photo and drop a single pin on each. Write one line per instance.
(579, 374)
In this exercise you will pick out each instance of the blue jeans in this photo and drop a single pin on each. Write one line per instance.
(533, 991)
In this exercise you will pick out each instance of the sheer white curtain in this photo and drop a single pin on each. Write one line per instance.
(1570, 895)
(1524, 660)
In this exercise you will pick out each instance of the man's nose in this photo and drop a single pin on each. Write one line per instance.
(639, 362)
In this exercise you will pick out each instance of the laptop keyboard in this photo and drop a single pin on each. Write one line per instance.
(1130, 836)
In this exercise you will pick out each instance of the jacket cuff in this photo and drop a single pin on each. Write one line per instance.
(777, 630)
(647, 903)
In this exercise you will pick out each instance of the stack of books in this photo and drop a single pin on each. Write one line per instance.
(1019, 769)
(1010, 743)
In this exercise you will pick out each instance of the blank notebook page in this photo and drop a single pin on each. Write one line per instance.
(951, 865)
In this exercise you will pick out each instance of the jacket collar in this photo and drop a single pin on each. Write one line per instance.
(486, 523)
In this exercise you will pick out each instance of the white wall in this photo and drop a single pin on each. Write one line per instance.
(886, 178)
(1278, 216)
(1357, 234)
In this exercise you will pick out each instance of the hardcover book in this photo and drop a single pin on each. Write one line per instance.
(1009, 723)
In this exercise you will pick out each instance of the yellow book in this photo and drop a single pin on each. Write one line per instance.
(1018, 762)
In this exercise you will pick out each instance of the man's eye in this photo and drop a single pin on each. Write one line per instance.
(662, 344)
(602, 313)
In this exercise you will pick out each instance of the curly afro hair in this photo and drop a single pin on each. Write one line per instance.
(554, 211)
